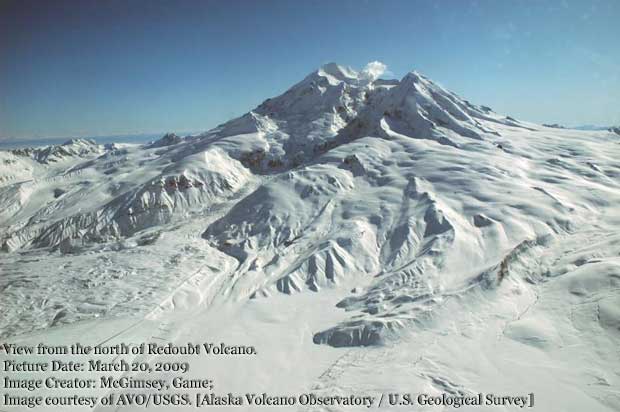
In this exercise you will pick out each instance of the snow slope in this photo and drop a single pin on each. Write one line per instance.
(366, 235)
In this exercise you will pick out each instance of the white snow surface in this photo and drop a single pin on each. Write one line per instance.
(367, 236)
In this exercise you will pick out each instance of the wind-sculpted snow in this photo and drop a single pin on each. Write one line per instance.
(15, 168)
(349, 211)
(99, 208)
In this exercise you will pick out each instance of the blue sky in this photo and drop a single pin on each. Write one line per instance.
(84, 68)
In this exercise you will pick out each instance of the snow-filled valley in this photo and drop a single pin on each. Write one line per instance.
(366, 235)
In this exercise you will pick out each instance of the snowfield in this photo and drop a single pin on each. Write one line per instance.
(366, 236)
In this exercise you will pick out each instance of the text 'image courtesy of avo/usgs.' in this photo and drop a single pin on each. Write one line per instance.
(309, 205)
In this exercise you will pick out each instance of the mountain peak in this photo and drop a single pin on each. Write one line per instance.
(338, 71)
(336, 103)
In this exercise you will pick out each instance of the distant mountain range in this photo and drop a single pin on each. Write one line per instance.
(590, 127)
(9, 143)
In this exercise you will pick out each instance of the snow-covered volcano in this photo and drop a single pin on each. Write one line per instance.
(380, 234)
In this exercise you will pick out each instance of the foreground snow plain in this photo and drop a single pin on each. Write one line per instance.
(367, 236)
